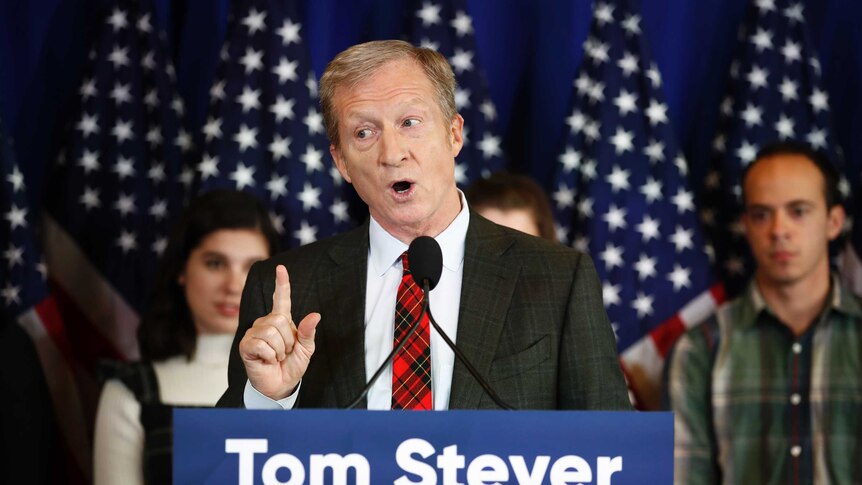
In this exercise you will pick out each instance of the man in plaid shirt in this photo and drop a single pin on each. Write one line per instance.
(770, 389)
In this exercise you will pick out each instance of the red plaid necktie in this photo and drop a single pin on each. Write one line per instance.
(411, 369)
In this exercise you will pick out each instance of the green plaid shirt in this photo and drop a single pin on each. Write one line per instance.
(755, 404)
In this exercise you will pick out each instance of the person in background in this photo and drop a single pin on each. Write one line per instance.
(514, 201)
(770, 389)
(185, 335)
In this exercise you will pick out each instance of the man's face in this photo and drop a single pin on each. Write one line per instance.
(398, 151)
(786, 220)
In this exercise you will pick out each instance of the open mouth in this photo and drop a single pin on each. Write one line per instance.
(402, 187)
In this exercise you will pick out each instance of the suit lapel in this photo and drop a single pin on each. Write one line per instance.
(342, 298)
(486, 291)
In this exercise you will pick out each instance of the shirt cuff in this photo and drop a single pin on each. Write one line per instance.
(253, 399)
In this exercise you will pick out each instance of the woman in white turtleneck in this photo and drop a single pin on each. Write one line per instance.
(185, 336)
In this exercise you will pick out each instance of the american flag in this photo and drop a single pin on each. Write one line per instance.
(113, 191)
(264, 133)
(445, 26)
(27, 301)
(774, 93)
(621, 193)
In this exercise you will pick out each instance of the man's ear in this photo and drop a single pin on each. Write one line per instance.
(340, 162)
(835, 221)
(456, 134)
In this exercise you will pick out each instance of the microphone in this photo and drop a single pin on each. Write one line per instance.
(426, 265)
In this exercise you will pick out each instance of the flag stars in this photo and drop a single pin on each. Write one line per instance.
(819, 100)
(784, 127)
(657, 113)
(283, 109)
(643, 304)
(119, 57)
(684, 201)
(817, 138)
(623, 141)
(788, 90)
(159, 245)
(752, 115)
(151, 99)
(654, 76)
(794, 12)
(123, 131)
(310, 197)
(184, 141)
(628, 64)
(280, 147)
(314, 121)
(462, 98)
(88, 89)
(125, 204)
(429, 14)
(148, 62)
(312, 158)
(252, 60)
(14, 256)
(488, 110)
(655, 151)
(249, 99)
(120, 94)
(604, 14)
(570, 159)
(460, 173)
(746, 153)
(765, 5)
(611, 294)
(243, 176)
(255, 21)
(462, 23)
(11, 294)
(143, 24)
(585, 207)
(16, 178)
(212, 129)
(762, 40)
(576, 122)
(124, 168)
(651, 190)
(89, 124)
(757, 78)
(490, 146)
(286, 70)
(612, 256)
(208, 167)
(682, 239)
(127, 241)
(791, 52)
(339, 211)
(118, 20)
(564, 197)
(159, 209)
(89, 161)
(306, 233)
(246, 137)
(648, 228)
(154, 136)
(680, 277)
(645, 267)
(277, 186)
(289, 32)
(626, 102)
(615, 218)
(156, 173)
(632, 24)
(461, 61)
(597, 51)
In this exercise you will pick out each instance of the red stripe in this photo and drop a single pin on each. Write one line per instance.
(718, 293)
(666, 334)
(87, 342)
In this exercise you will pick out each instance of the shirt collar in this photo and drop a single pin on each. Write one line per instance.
(384, 249)
(839, 300)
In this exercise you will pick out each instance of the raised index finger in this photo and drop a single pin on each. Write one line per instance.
(281, 295)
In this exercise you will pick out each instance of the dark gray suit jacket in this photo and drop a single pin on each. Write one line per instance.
(531, 321)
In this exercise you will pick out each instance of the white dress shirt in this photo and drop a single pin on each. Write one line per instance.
(384, 276)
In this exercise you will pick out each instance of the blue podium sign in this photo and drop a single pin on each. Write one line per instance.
(214, 446)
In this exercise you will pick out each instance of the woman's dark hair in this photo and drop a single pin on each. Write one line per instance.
(167, 328)
(506, 191)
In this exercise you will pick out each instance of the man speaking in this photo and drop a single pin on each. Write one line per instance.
(525, 312)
